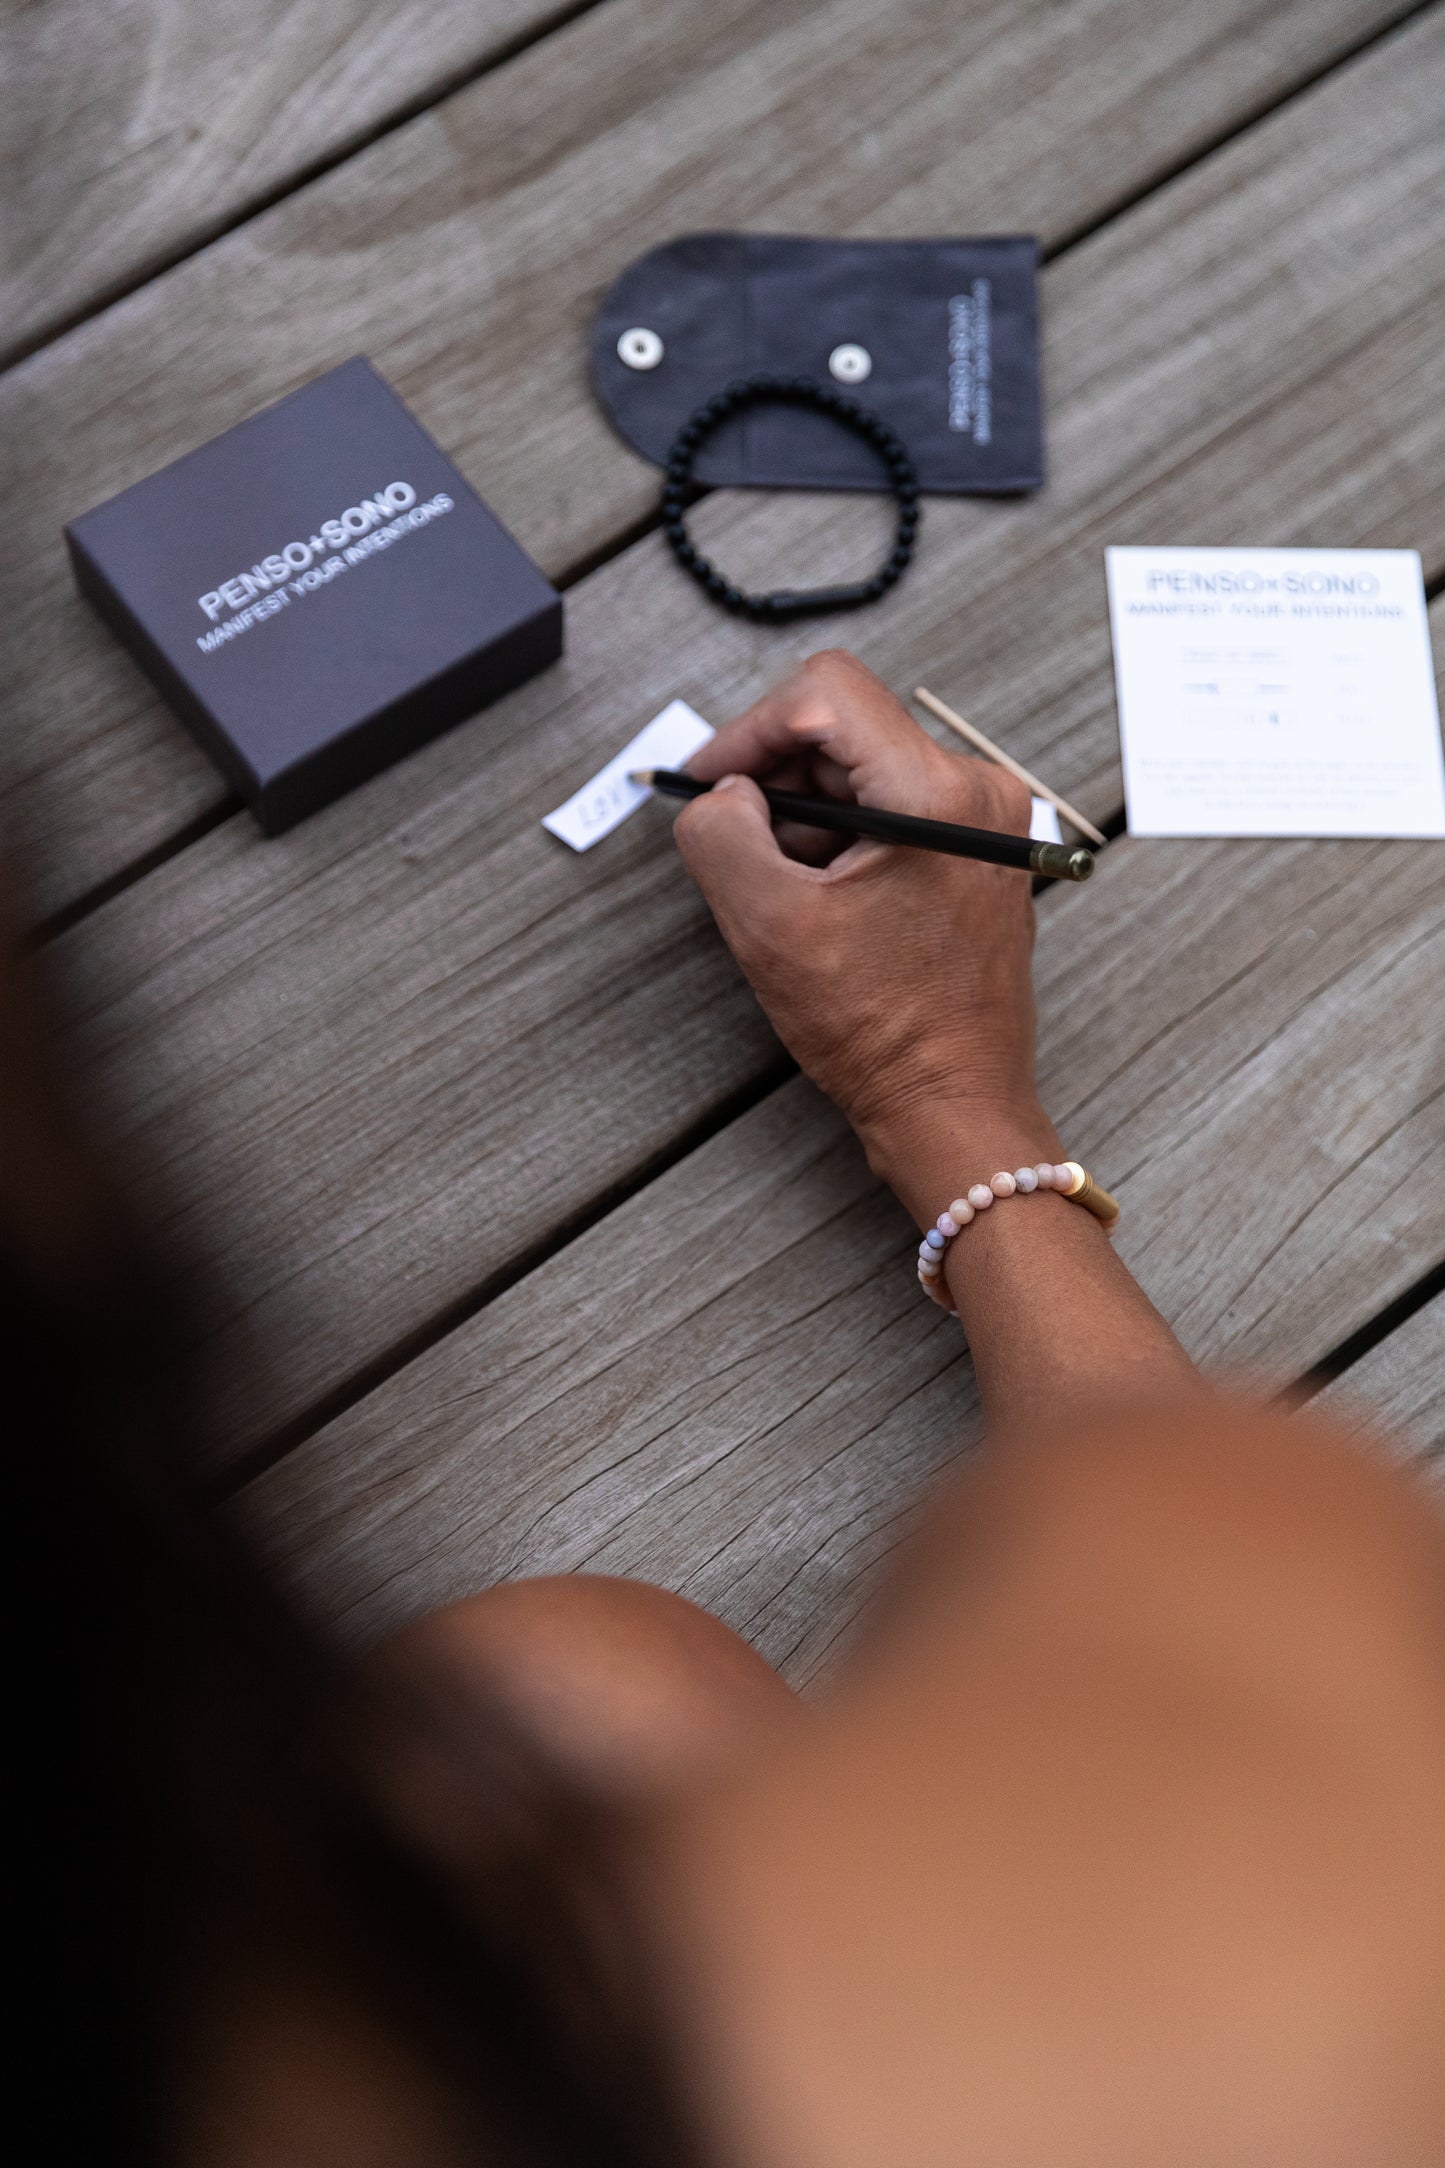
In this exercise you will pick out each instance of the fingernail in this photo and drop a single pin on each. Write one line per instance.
(726, 782)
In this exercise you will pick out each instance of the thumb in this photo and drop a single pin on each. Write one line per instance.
(728, 846)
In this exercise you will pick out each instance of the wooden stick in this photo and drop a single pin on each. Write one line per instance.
(986, 746)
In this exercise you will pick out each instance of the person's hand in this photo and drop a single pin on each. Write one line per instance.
(899, 979)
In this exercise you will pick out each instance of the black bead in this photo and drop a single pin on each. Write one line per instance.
(826, 399)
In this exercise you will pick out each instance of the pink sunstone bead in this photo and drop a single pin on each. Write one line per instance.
(947, 1224)
(961, 1211)
(1002, 1185)
(980, 1196)
(1045, 1174)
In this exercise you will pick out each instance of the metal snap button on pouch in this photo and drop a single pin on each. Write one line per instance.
(850, 363)
(640, 348)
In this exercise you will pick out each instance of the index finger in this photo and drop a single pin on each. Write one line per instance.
(834, 714)
(752, 742)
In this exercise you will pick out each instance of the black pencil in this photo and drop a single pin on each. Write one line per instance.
(1059, 861)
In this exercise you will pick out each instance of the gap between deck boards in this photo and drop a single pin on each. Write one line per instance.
(628, 532)
(430, 833)
(1321, 1373)
(148, 268)
(1372, 1334)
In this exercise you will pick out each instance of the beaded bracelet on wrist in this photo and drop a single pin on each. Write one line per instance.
(1067, 1177)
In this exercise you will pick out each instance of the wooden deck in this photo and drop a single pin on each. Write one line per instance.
(499, 1240)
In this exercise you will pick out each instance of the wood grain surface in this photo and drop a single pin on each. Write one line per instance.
(466, 252)
(1400, 1386)
(480, 1158)
(133, 130)
(379, 1066)
(732, 1384)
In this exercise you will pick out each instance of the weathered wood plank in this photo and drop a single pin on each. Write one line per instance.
(466, 253)
(731, 1385)
(1400, 1386)
(132, 131)
(377, 1065)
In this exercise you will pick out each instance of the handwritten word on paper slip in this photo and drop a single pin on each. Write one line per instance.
(1268, 692)
(669, 741)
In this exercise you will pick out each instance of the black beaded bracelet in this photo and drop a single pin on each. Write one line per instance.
(789, 602)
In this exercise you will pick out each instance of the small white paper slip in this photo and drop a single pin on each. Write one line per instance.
(1276, 692)
(668, 741)
(591, 813)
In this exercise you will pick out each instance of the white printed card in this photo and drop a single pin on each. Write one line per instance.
(1276, 692)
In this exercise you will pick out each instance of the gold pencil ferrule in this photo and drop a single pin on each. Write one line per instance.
(1061, 861)
(1092, 1195)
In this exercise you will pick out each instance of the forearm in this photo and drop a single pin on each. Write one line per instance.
(1057, 1324)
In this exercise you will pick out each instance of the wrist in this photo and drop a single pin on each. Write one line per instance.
(932, 1152)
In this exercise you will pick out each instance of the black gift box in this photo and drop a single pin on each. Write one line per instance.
(317, 592)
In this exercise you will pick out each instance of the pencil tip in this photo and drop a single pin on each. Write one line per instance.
(642, 776)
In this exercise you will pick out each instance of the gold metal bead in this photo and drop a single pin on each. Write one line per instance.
(1092, 1195)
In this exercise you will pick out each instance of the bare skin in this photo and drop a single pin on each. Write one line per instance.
(901, 981)
(1120, 1844)
(1120, 1840)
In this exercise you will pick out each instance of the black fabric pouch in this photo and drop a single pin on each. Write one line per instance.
(947, 331)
